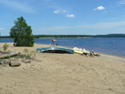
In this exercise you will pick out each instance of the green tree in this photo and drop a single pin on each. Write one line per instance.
(22, 33)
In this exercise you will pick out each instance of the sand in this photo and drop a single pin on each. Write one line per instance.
(52, 73)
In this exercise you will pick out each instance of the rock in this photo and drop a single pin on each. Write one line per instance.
(26, 61)
(4, 61)
(14, 63)
(12, 59)
(12, 52)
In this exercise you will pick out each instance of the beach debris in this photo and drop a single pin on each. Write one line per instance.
(14, 63)
(81, 51)
(84, 52)
(92, 53)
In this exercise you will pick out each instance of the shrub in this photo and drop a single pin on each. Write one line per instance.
(22, 33)
(5, 47)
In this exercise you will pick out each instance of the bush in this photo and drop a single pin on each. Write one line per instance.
(22, 33)
(5, 47)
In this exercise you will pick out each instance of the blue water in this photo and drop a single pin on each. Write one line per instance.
(113, 46)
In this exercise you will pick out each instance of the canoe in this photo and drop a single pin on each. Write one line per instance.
(55, 50)
(78, 52)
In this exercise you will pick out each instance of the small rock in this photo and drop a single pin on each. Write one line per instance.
(12, 58)
(110, 89)
(14, 63)
(26, 61)
(4, 61)
(12, 52)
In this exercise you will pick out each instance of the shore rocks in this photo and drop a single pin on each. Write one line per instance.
(14, 63)
(4, 61)
(26, 61)
(11, 62)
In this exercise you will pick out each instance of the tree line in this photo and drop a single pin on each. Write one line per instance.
(111, 35)
(61, 36)
(72, 36)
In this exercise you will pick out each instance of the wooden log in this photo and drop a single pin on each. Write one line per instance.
(9, 55)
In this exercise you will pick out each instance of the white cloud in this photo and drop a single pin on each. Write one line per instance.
(71, 15)
(60, 11)
(18, 6)
(100, 8)
(57, 11)
(1, 29)
(122, 2)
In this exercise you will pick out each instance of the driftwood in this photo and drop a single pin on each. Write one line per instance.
(5, 55)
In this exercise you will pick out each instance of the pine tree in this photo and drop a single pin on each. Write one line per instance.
(22, 33)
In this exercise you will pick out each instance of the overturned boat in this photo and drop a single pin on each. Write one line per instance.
(55, 50)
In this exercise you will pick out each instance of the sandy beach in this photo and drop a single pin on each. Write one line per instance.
(52, 73)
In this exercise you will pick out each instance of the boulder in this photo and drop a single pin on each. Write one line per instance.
(4, 61)
(14, 63)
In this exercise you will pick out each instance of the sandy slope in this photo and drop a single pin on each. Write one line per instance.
(64, 74)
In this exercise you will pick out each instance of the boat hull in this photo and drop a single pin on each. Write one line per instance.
(55, 50)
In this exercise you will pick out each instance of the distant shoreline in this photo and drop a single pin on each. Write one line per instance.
(61, 37)
(47, 37)
(74, 36)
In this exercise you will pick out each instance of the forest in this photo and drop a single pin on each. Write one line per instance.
(73, 36)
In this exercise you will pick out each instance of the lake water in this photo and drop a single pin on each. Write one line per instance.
(113, 46)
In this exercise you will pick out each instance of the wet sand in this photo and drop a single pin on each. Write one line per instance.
(52, 73)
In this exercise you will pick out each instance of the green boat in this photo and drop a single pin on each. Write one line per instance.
(55, 50)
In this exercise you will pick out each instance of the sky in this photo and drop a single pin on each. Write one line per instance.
(65, 17)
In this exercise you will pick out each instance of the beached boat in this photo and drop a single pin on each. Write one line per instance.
(80, 51)
(55, 50)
